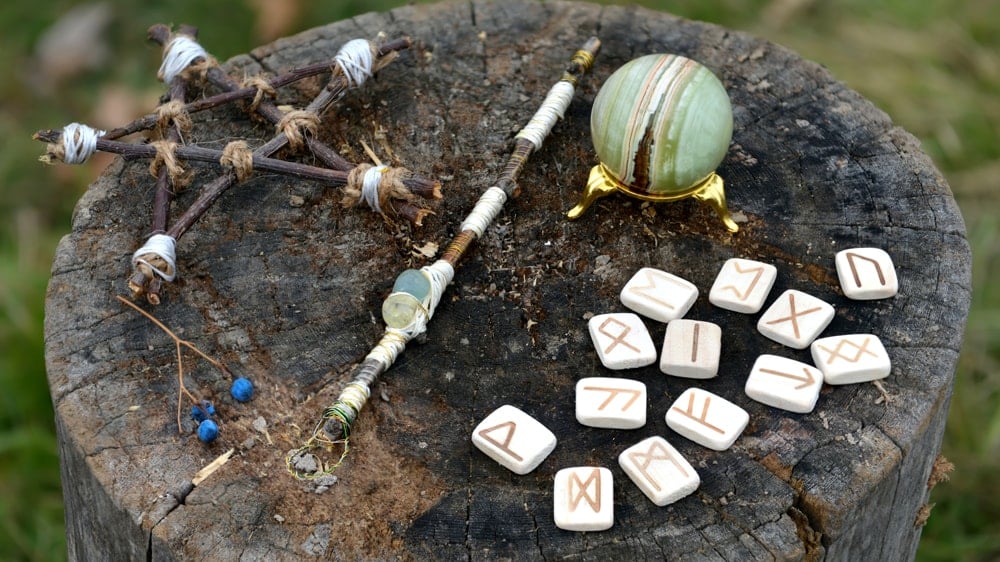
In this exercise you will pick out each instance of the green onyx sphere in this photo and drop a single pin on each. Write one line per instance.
(661, 125)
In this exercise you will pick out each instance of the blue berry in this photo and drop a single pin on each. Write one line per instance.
(202, 412)
(208, 430)
(242, 389)
(198, 414)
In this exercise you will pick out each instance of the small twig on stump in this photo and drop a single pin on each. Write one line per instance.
(261, 163)
(165, 188)
(148, 121)
(178, 342)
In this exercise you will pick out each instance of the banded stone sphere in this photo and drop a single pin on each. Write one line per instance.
(661, 124)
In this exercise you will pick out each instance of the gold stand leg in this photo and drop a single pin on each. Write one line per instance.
(713, 193)
(601, 183)
(598, 185)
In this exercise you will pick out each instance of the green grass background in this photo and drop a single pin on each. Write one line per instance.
(933, 65)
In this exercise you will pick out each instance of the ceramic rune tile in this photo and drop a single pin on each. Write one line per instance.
(611, 403)
(583, 499)
(866, 274)
(851, 358)
(707, 419)
(795, 319)
(784, 383)
(658, 295)
(622, 340)
(514, 439)
(742, 285)
(659, 470)
(691, 349)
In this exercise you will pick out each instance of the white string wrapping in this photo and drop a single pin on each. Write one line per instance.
(161, 246)
(355, 60)
(79, 142)
(369, 186)
(180, 52)
(388, 348)
(552, 109)
(440, 273)
(486, 210)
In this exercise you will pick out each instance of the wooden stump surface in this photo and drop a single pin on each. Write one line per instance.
(285, 286)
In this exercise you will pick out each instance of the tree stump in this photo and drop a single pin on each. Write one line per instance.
(283, 284)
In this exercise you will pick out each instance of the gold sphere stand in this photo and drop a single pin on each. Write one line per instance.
(602, 183)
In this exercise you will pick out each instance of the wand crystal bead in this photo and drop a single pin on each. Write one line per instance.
(409, 293)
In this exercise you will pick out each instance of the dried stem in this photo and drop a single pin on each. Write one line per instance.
(178, 342)
(165, 188)
(147, 122)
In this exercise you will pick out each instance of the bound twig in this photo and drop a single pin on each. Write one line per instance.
(417, 293)
(165, 187)
(149, 121)
(261, 163)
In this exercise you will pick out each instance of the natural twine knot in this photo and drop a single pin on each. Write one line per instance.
(173, 111)
(238, 156)
(376, 185)
(295, 124)
(166, 156)
(263, 87)
(199, 69)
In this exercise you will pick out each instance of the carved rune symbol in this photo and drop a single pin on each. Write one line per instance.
(854, 269)
(704, 413)
(656, 452)
(505, 445)
(612, 393)
(617, 338)
(642, 289)
(806, 380)
(743, 296)
(694, 344)
(582, 489)
(860, 349)
(793, 317)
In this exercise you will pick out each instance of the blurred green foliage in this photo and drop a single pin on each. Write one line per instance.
(934, 66)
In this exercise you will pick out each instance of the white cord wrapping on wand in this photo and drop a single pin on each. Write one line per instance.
(79, 142)
(485, 212)
(440, 273)
(355, 59)
(551, 110)
(158, 246)
(178, 55)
